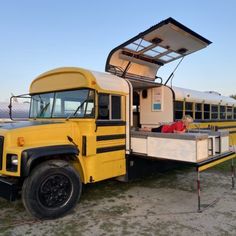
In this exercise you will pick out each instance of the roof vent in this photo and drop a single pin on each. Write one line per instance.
(213, 92)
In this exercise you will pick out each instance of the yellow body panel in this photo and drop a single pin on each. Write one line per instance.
(214, 163)
(107, 164)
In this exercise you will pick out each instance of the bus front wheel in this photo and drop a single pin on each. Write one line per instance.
(51, 190)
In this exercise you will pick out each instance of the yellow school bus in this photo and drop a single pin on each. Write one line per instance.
(209, 109)
(83, 125)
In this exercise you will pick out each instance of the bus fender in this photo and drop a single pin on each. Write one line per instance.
(32, 156)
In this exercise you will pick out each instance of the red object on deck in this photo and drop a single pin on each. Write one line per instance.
(177, 126)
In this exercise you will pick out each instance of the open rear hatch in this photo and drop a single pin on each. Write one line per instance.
(142, 56)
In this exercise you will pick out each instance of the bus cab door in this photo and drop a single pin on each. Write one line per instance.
(110, 136)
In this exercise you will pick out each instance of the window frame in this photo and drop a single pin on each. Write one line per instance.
(231, 113)
(198, 111)
(215, 112)
(188, 111)
(110, 106)
(53, 104)
(178, 110)
(223, 112)
(207, 111)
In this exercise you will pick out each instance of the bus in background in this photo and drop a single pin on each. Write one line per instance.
(209, 110)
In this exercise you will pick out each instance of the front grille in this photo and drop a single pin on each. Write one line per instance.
(1, 150)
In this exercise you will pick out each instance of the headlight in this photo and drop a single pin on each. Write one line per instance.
(12, 162)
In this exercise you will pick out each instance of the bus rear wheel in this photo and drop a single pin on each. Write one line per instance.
(51, 190)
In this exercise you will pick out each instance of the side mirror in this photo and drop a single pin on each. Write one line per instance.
(19, 107)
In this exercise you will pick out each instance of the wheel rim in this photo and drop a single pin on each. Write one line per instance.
(55, 191)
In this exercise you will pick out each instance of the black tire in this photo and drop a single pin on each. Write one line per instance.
(51, 190)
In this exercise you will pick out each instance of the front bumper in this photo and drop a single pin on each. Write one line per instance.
(8, 189)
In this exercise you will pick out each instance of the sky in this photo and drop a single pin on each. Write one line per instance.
(40, 35)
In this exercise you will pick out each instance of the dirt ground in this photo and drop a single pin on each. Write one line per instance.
(162, 204)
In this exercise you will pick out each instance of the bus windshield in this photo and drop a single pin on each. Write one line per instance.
(65, 104)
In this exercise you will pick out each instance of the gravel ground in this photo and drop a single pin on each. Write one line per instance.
(162, 204)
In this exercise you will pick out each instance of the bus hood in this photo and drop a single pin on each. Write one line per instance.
(36, 133)
(23, 124)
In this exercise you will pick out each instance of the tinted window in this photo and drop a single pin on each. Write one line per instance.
(178, 106)
(214, 116)
(178, 110)
(198, 115)
(206, 115)
(214, 108)
(198, 107)
(178, 115)
(206, 111)
(214, 112)
(222, 108)
(198, 111)
(206, 107)
(116, 107)
(103, 106)
(229, 113)
(222, 116)
(222, 113)
(188, 106)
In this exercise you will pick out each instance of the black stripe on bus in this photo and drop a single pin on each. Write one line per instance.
(214, 121)
(110, 137)
(84, 145)
(232, 132)
(110, 149)
(227, 127)
(110, 123)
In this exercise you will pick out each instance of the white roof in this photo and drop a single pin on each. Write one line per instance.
(111, 82)
(199, 97)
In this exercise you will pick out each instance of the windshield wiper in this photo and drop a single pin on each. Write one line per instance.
(77, 109)
(44, 109)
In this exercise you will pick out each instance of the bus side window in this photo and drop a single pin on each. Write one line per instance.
(116, 107)
(109, 107)
(178, 106)
(229, 113)
(103, 106)
(214, 112)
(189, 108)
(235, 113)
(206, 111)
(198, 111)
(222, 113)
